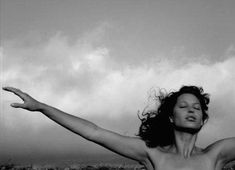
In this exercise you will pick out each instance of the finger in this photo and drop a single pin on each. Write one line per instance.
(16, 91)
(11, 89)
(17, 105)
(7, 88)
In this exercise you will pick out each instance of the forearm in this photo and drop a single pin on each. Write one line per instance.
(75, 124)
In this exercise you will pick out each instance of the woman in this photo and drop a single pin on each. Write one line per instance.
(166, 139)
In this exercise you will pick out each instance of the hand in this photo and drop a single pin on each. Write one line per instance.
(29, 103)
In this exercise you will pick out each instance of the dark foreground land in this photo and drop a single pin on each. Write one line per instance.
(83, 167)
(72, 167)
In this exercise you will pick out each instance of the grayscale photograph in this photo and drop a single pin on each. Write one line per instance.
(117, 85)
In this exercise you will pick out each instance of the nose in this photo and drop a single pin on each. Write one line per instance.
(191, 110)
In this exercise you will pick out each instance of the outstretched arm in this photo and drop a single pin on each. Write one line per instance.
(224, 150)
(131, 147)
(227, 149)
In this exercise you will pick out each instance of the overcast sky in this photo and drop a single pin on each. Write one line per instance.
(98, 60)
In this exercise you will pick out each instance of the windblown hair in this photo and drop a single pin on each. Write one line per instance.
(156, 128)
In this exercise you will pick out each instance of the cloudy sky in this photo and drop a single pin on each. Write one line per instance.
(99, 59)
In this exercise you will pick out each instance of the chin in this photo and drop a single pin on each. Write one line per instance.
(189, 129)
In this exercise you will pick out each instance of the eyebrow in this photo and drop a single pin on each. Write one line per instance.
(187, 102)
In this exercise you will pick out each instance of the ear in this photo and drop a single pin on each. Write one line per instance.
(171, 120)
(202, 123)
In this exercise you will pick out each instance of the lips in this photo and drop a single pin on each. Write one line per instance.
(191, 118)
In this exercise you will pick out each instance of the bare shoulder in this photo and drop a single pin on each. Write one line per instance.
(222, 150)
(154, 156)
(131, 147)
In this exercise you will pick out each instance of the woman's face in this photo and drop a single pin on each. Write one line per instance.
(187, 112)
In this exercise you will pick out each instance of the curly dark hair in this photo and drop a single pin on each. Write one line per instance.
(156, 128)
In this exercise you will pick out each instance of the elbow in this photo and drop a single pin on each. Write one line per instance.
(93, 133)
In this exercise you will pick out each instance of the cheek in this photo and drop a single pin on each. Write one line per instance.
(178, 114)
(200, 115)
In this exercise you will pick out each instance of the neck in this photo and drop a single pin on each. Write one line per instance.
(185, 143)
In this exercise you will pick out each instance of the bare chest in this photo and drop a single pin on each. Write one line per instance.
(175, 162)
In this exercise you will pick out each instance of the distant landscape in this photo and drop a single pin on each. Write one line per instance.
(72, 165)
(104, 162)
(99, 166)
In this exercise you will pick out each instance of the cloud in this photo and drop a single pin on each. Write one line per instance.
(83, 79)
